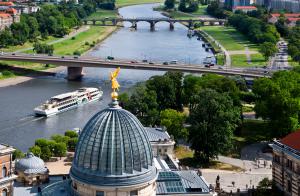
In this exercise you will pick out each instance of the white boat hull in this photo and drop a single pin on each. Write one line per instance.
(54, 111)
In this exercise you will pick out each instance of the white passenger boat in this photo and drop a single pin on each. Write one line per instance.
(63, 102)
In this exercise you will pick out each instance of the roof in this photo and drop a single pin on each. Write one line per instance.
(180, 182)
(292, 140)
(5, 15)
(113, 150)
(244, 7)
(157, 134)
(293, 19)
(292, 15)
(11, 11)
(7, 3)
(31, 165)
(6, 149)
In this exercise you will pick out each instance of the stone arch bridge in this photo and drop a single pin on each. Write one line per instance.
(153, 21)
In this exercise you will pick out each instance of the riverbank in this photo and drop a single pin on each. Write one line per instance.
(124, 3)
(20, 79)
(25, 71)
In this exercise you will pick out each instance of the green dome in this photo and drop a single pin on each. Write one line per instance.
(113, 150)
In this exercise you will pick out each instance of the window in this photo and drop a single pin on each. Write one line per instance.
(289, 164)
(4, 171)
(277, 159)
(99, 193)
(133, 193)
(166, 150)
(289, 186)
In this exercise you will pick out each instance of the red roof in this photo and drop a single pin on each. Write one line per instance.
(287, 15)
(2, 3)
(4, 15)
(244, 7)
(292, 140)
(11, 11)
(293, 19)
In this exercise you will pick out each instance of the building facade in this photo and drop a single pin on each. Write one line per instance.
(6, 170)
(288, 5)
(286, 164)
(161, 142)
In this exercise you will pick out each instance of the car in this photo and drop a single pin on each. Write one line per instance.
(13, 54)
(133, 61)
(62, 57)
(220, 67)
(145, 61)
(211, 64)
(173, 62)
(151, 63)
(75, 57)
(50, 54)
(165, 63)
(207, 65)
(110, 57)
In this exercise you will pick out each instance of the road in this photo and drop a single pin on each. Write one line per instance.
(280, 59)
(71, 61)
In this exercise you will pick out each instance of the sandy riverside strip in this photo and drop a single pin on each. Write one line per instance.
(20, 79)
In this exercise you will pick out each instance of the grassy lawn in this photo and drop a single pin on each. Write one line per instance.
(181, 15)
(258, 60)
(185, 156)
(220, 59)
(291, 62)
(239, 60)
(28, 44)
(101, 14)
(122, 3)
(83, 41)
(229, 37)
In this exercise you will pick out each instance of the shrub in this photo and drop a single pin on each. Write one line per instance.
(73, 38)
(77, 53)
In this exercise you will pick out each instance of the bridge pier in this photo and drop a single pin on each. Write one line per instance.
(191, 24)
(103, 22)
(171, 26)
(134, 25)
(74, 73)
(152, 26)
(114, 22)
(85, 22)
(94, 22)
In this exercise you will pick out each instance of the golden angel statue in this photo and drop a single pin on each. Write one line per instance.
(113, 77)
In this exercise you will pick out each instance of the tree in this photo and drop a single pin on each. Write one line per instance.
(173, 121)
(60, 149)
(71, 134)
(268, 49)
(169, 4)
(263, 186)
(182, 5)
(36, 150)
(17, 154)
(143, 105)
(168, 89)
(72, 143)
(212, 124)
(277, 101)
(60, 138)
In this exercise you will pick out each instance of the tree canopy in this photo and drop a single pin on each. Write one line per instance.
(277, 101)
(173, 121)
(213, 121)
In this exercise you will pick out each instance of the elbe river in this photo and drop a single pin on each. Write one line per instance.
(18, 125)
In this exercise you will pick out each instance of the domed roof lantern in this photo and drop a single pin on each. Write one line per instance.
(113, 148)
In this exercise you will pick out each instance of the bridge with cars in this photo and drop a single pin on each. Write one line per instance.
(76, 64)
(153, 21)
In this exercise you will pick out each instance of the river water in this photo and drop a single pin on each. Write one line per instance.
(18, 126)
